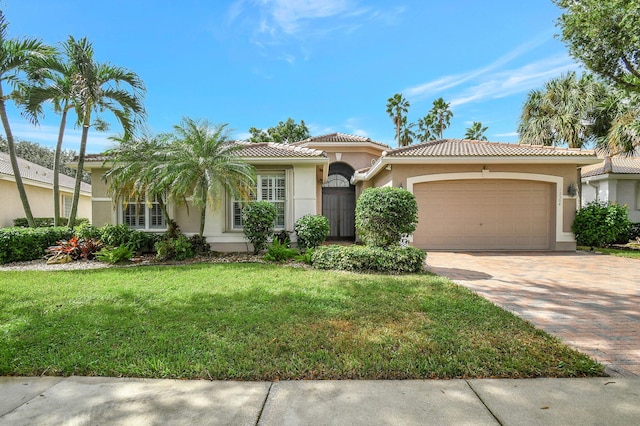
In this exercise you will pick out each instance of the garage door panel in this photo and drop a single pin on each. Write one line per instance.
(483, 215)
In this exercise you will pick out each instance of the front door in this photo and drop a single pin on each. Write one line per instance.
(339, 205)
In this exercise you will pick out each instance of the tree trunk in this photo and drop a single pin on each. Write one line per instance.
(203, 214)
(14, 161)
(83, 147)
(56, 169)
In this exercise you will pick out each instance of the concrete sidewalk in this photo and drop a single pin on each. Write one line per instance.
(111, 401)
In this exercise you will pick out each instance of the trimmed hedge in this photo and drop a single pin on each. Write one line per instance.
(311, 231)
(46, 222)
(393, 259)
(599, 224)
(21, 244)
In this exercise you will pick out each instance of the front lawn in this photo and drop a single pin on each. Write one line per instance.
(264, 322)
(631, 254)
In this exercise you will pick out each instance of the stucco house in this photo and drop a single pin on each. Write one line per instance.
(472, 195)
(38, 183)
(614, 179)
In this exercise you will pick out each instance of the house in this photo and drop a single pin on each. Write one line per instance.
(614, 179)
(38, 183)
(472, 195)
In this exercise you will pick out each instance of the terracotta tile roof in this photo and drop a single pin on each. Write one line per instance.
(468, 148)
(615, 165)
(252, 150)
(340, 137)
(277, 150)
(35, 172)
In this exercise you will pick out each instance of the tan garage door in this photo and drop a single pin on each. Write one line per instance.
(483, 215)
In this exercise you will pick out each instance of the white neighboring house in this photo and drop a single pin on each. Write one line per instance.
(38, 183)
(615, 179)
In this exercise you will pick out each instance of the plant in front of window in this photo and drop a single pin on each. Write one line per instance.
(258, 218)
(385, 215)
(311, 231)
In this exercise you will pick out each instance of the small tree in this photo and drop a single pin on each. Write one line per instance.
(258, 218)
(384, 215)
(311, 231)
(600, 224)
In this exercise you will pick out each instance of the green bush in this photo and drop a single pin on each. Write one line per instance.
(21, 244)
(178, 248)
(279, 252)
(115, 254)
(86, 230)
(392, 259)
(311, 231)
(46, 222)
(601, 224)
(306, 257)
(199, 244)
(384, 215)
(257, 222)
(119, 235)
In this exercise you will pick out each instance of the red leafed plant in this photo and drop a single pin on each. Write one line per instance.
(73, 249)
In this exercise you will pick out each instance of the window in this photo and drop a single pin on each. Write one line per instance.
(67, 201)
(271, 188)
(143, 215)
(337, 181)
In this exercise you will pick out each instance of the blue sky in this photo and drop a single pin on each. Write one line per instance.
(331, 63)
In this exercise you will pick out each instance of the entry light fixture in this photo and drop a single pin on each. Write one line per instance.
(572, 190)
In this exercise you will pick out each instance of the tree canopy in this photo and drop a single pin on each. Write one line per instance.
(604, 36)
(476, 132)
(284, 132)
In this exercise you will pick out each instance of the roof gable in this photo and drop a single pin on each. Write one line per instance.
(340, 138)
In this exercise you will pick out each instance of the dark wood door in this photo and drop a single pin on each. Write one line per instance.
(339, 206)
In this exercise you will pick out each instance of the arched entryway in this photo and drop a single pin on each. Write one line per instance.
(339, 202)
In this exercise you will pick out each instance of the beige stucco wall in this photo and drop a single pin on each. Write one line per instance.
(40, 200)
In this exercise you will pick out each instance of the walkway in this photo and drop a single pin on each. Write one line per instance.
(590, 301)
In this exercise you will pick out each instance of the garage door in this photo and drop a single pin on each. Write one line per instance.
(483, 215)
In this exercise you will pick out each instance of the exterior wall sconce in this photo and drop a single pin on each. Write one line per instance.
(572, 190)
(400, 186)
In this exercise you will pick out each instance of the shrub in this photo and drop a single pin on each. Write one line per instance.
(306, 256)
(311, 231)
(86, 230)
(257, 221)
(177, 248)
(199, 244)
(601, 224)
(45, 222)
(634, 232)
(283, 238)
(393, 259)
(73, 249)
(384, 215)
(115, 254)
(20, 244)
(279, 252)
(119, 235)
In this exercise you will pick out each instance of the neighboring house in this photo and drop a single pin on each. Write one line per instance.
(471, 195)
(38, 183)
(615, 179)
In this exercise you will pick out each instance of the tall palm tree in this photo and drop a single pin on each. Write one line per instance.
(442, 116)
(562, 113)
(407, 134)
(617, 123)
(397, 108)
(425, 128)
(202, 163)
(15, 56)
(476, 132)
(100, 87)
(58, 87)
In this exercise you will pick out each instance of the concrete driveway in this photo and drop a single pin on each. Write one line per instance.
(590, 301)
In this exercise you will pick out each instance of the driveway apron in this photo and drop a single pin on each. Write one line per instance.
(590, 301)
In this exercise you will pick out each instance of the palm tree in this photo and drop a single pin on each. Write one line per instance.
(425, 128)
(100, 87)
(562, 113)
(476, 132)
(442, 116)
(406, 134)
(397, 108)
(60, 89)
(15, 56)
(201, 162)
(617, 123)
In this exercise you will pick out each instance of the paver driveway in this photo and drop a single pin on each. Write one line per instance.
(590, 301)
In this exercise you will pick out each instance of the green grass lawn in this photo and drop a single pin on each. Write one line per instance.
(631, 254)
(265, 322)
